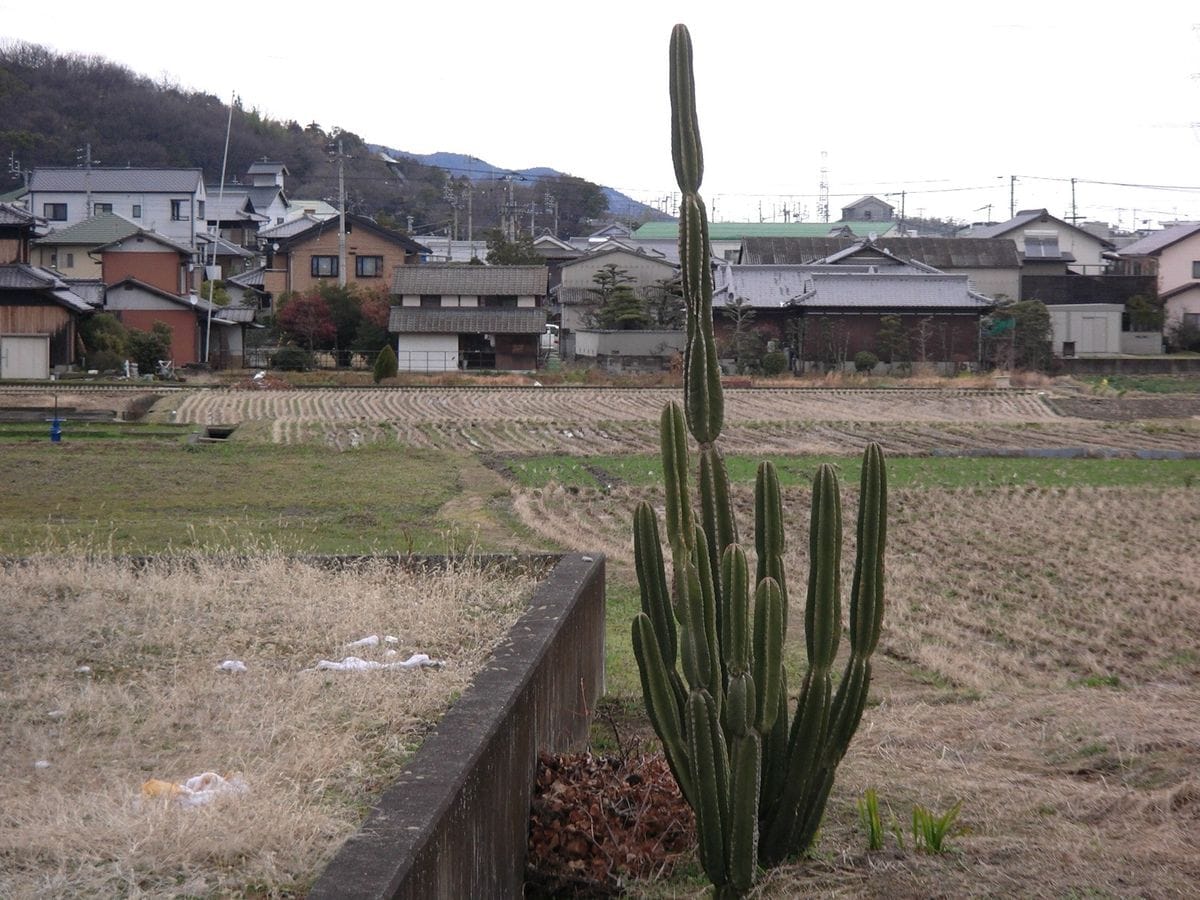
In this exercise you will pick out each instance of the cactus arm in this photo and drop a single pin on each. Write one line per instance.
(686, 151)
(693, 642)
(661, 703)
(652, 581)
(737, 632)
(708, 612)
(743, 810)
(822, 614)
(675, 475)
(716, 507)
(768, 654)
(803, 756)
(710, 775)
(866, 593)
(769, 534)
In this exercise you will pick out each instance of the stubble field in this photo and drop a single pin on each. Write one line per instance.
(1041, 645)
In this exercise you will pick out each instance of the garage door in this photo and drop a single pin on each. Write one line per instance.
(24, 356)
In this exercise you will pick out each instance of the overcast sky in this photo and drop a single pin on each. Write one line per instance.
(944, 101)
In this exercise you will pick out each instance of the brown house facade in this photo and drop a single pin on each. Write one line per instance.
(305, 259)
(38, 315)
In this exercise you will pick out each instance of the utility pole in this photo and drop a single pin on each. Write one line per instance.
(902, 193)
(823, 200)
(342, 218)
(1074, 217)
(1012, 196)
(470, 214)
(86, 150)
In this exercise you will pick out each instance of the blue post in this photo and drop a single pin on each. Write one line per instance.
(56, 430)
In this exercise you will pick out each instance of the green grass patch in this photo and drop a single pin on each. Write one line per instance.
(22, 432)
(903, 472)
(1147, 384)
(150, 497)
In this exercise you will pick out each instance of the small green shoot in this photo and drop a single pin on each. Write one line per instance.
(868, 815)
(930, 832)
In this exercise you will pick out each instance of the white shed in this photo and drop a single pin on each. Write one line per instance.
(1086, 329)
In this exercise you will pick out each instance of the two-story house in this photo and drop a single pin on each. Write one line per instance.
(1172, 257)
(449, 317)
(169, 201)
(301, 257)
(1048, 245)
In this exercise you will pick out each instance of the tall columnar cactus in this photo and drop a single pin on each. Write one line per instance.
(709, 644)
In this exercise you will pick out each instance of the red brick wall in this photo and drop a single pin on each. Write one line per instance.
(185, 329)
(158, 269)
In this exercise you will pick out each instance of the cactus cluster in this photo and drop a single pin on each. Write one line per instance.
(709, 645)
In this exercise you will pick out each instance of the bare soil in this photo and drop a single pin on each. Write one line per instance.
(1038, 663)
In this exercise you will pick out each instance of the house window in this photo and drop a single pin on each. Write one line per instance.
(70, 260)
(866, 214)
(1192, 320)
(55, 212)
(200, 209)
(431, 301)
(324, 267)
(1196, 268)
(502, 302)
(368, 266)
(1068, 349)
(179, 210)
(137, 210)
(98, 208)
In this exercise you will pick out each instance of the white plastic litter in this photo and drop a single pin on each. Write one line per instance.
(232, 665)
(197, 790)
(354, 664)
(371, 640)
(391, 639)
(41, 764)
(57, 713)
(84, 670)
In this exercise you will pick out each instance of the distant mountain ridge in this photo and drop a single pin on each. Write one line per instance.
(463, 165)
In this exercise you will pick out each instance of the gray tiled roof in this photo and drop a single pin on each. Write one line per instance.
(941, 253)
(253, 278)
(477, 281)
(830, 291)
(23, 277)
(289, 228)
(413, 319)
(149, 181)
(14, 215)
(762, 286)
(100, 229)
(1152, 243)
(262, 197)
(1021, 219)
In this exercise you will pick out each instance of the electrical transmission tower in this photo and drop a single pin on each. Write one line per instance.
(823, 199)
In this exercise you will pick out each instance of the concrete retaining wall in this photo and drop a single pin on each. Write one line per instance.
(454, 825)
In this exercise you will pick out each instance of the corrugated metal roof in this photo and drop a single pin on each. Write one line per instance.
(941, 253)
(100, 229)
(145, 181)
(732, 231)
(1153, 243)
(412, 319)
(474, 281)
(848, 291)
(289, 228)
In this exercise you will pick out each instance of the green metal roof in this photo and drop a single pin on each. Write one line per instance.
(94, 232)
(733, 231)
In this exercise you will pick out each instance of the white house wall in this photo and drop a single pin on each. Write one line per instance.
(156, 210)
(427, 352)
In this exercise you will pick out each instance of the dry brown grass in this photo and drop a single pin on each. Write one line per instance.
(314, 747)
(1039, 662)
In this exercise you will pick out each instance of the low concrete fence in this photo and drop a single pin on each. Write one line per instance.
(455, 823)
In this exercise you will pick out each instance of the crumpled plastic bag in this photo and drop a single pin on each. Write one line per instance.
(372, 640)
(355, 664)
(197, 790)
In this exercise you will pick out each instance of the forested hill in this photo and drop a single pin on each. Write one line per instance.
(52, 105)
